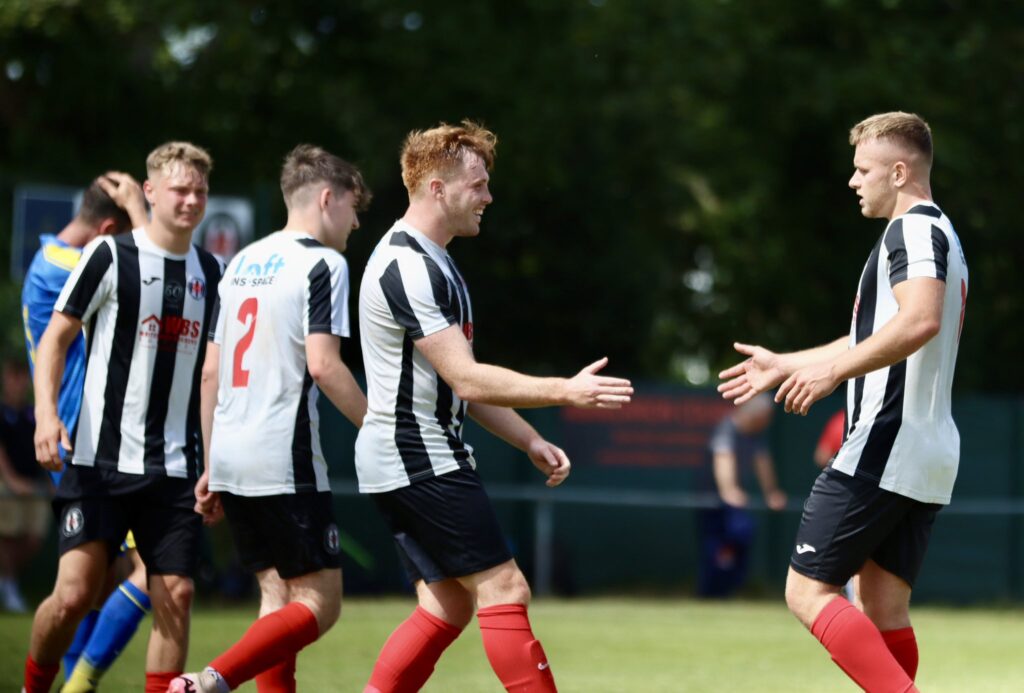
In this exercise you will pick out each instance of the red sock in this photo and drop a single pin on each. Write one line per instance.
(407, 659)
(903, 645)
(278, 679)
(158, 681)
(271, 640)
(515, 655)
(858, 648)
(39, 677)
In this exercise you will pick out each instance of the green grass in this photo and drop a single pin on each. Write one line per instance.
(613, 646)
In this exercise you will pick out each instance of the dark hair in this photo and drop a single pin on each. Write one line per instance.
(308, 164)
(97, 206)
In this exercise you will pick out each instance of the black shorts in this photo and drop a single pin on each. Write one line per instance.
(295, 533)
(102, 505)
(847, 521)
(444, 527)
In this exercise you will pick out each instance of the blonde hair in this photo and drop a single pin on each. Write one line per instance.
(441, 150)
(164, 157)
(907, 129)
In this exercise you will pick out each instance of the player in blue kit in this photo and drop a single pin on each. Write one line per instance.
(112, 204)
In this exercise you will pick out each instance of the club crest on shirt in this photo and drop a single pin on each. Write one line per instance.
(332, 542)
(196, 288)
(73, 523)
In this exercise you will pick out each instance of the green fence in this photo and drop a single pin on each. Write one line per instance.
(625, 528)
(620, 527)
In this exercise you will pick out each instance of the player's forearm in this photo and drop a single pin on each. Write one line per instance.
(336, 381)
(207, 405)
(792, 362)
(486, 384)
(504, 423)
(48, 374)
(895, 341)
(136, 210)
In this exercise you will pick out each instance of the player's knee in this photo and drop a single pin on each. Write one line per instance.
(796, 597)
(137, 575)
(326, 608)
(329, 614)
(459, 613)
(74, 599)
(519, 591)
(508, 587)
(887, 615)
(176, 593)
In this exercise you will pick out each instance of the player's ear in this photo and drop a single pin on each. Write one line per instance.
(147, 190)
(325, 197)
(108, 227)
(436, 188)
(900, 173)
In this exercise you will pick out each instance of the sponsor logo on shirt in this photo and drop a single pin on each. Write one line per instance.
(169, 333)
(258, 273)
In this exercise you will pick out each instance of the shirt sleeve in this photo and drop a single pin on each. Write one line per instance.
(418, 295)
(327, 298)
(915, 248)
(91, 283)
(216, 333)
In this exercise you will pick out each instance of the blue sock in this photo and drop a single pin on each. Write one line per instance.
(78, 644)
(119, 619)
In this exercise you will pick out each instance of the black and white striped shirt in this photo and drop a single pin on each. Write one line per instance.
(900, 431)
(146, 312)
(266, 433)
(413, 425)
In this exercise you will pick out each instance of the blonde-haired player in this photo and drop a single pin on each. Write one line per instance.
(135, 454)
(870, 512)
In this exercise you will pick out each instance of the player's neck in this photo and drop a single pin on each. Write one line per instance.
(430, 225)
(298, 222)
(76, 234)
(909, 198)
(175, 242)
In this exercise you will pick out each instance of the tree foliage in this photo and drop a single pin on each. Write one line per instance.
(671, 176)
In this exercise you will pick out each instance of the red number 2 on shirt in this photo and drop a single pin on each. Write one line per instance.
(240, 376)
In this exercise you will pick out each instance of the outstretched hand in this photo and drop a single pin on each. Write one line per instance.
(749, 378)
(550, 459)
(807, 386)
(588, 390)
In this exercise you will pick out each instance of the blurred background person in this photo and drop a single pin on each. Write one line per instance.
(738, 451)
(24, 490)
(831, 439)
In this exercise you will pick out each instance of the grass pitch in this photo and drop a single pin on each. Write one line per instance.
(610, 646)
